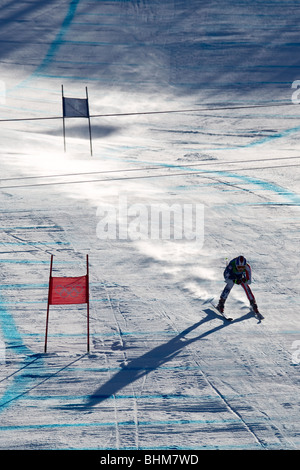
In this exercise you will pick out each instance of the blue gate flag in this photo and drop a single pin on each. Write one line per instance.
(75, 107)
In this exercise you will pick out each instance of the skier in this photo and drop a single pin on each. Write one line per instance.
(238, 271)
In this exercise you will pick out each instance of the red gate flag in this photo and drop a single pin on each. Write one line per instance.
(66, 291)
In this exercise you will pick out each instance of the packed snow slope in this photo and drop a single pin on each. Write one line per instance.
(164, 370)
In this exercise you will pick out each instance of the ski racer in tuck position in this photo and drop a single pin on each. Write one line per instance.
(238, 271)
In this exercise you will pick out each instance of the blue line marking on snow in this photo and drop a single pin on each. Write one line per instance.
(121, 423)
(23, 261)
(292, 197)
(289, 195)
(21, 302)
(34, 227)
(11, 335)
(14, 341)
(59, 40)
(33, 243)
(176, 448)
(22, 286)
(54, 47)
(28, 261)
(214, 398)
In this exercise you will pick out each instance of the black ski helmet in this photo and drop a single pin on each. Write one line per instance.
(240, 261)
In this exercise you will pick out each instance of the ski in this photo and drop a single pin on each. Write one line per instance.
(257, 315)
(222, 313)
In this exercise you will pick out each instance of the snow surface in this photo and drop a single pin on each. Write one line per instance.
(164, 371)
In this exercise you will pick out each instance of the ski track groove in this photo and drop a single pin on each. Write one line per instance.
(217, 391)
(122, 347)
(278, 432)
(135, 405)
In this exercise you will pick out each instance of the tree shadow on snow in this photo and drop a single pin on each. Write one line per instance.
(143, 365)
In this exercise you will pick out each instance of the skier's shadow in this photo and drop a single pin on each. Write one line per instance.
(246, 316)
(139, 367)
